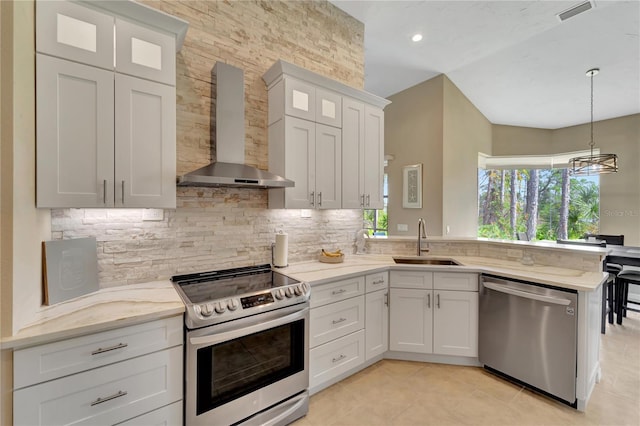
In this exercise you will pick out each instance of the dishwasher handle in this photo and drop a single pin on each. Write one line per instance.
(510, 290)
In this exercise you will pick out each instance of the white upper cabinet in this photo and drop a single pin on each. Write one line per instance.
(363, 155)
(337, 174)
(105, 139)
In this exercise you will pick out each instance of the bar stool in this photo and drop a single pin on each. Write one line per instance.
(624, 278)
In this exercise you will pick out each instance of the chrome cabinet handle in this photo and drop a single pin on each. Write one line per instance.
(104, 191)
(368, 200)
(320, 198)
(122, 192)
(342, 290)
(362, 200)
(339, 358)
(338, 321)
(378, 282)
(438, 300)
(429, 300)
(110, 348)
(313, 198)
(108, 398)
(386, 299)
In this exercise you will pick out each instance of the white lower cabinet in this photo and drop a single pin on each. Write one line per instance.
(332, 359)
(169, 415)
(103, 379)
(376, 323)
(441, 320)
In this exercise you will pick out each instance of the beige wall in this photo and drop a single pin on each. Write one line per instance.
(413, 134)
(466, 132)
(433, 123)
(619, 192)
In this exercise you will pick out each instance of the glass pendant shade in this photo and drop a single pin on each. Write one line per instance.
(593, 164)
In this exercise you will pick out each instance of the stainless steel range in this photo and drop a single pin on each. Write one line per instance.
(247, 340)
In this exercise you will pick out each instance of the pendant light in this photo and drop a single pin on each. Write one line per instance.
(593, 164)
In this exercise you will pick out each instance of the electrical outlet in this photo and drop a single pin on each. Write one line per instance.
(152, 214)
(448, 229)
(403, 227)
(514, 253)
(305, 213)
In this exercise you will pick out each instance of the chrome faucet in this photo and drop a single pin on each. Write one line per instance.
(422, 233)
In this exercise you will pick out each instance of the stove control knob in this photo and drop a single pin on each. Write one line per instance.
(206, 310)
(304, 287)
(279, 293)
(232, 304)
(289, 292)
(219, 307)
(298, 290)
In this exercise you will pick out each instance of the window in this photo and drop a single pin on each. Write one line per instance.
(545, 204)
(376, 221)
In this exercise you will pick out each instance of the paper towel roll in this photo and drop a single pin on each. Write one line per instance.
(280, 250)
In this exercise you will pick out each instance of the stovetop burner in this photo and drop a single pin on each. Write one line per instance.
(218, 296)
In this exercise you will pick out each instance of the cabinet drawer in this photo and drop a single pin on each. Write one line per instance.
(336, 291)
(169, 415)
(105, 395)
(336, 320)
(455, 281)
(71, 31)
(141, 52)
(46, 362)
(411, 279)
(374, 282)
(334, 358)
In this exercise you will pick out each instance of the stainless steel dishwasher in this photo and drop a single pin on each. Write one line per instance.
(528, 332)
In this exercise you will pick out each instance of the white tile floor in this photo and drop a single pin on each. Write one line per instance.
(411, 393)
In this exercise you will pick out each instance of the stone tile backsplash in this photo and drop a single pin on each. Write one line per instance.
(211, 228)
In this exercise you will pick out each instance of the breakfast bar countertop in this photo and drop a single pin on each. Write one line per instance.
(315, 272)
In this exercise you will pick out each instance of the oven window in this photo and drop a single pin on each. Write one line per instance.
(232, 369)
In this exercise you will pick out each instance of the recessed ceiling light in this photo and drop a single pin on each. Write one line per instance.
(416, 37)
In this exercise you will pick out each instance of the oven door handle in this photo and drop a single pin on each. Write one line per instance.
(215, 338)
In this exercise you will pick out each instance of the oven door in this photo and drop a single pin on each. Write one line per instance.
(239, 368)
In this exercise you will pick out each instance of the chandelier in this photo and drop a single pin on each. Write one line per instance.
(593, 164)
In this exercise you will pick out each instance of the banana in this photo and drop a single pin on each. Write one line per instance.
(337, 253)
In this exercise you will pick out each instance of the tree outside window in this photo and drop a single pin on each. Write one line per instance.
(376, 221)
(544, 204)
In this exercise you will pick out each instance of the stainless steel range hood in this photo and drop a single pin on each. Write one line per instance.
(230, 169)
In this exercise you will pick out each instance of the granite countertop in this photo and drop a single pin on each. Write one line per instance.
(99, 311)
(315, 272)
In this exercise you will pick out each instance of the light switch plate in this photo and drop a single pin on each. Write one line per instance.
(403, 227)
(152, 214)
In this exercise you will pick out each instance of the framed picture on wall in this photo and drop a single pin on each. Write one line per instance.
(412, 186)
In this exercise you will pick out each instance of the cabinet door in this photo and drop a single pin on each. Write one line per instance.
(75, 154)
(145, 141)
(299, 157)
(300, 99)
(71, 31)
(376, 323)
(455, 323)
(352, 154)
(328, 108)
(410, 328)
(373, 157)
(145, 53)
(328, 167)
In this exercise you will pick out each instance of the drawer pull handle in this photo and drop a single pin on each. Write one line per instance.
(338, 321)
(438, 300)
(378, 282)
(109, 398)
(339, 358)
(342, 290)
(110, 348)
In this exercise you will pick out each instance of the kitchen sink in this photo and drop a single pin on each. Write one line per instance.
(424, 261)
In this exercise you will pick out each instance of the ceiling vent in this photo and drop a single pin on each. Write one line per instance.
(576, 10)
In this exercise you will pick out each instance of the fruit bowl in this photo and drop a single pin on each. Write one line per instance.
(331, 256)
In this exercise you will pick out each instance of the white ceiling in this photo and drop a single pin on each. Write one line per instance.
(514, 60)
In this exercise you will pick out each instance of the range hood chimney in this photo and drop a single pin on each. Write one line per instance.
(229, 169)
